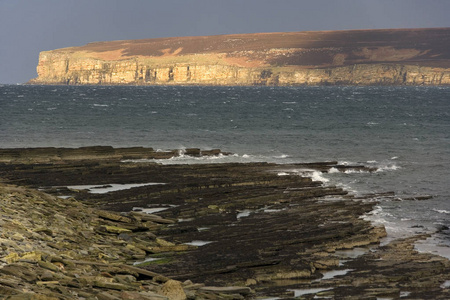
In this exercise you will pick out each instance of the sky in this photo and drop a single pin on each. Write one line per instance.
(28, 27)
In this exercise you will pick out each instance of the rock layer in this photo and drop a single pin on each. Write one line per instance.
(243, 230)
(358, 57)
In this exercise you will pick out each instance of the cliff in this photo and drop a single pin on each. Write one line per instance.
(355, 57)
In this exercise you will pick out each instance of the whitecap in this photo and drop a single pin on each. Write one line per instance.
(390, 167)
(441, 211)
(282, 156)
(313, 174)
(352, 171)
(317, 176)
(182, 158)
(333, 170)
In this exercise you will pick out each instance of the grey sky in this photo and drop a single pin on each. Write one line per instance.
(30, 26)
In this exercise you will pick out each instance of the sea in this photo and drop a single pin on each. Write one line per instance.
(402, 131)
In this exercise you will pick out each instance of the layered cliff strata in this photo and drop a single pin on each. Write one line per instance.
(358, 57)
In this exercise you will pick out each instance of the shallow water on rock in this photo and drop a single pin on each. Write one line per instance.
(199, 243)
(107, 188)
(302, 292)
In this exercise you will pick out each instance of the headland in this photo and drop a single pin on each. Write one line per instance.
(349, 57)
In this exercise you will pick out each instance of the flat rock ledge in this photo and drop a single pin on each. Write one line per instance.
(52, 154)
(222, 231)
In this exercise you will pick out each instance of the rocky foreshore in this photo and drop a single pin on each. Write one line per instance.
(84, 224)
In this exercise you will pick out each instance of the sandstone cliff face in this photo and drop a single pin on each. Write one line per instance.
(351, 62)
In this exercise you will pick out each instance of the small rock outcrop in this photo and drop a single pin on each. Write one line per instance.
(354, 57)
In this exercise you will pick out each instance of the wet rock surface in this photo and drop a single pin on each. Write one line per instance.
(214, 231)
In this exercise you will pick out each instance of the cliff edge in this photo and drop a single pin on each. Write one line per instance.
(353, 57)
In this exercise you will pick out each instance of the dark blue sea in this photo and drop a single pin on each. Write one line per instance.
(404, 131)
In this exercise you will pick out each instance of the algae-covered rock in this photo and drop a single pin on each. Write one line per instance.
(116, 229)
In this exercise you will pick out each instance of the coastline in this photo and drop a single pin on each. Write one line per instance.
(309, 231)
(369, 57)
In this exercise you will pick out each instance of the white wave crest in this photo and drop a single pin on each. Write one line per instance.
(313, 174)
(283, 174)
(442, 211)
(333, 170)
(282, 156)
(317, 176)
(182, 158)
(389, 167)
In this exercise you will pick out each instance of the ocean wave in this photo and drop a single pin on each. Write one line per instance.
(391, 167)
(313, 174)
(333, 170)
(282, 156)
(441, 211)
(182, 158)
(380, 166)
